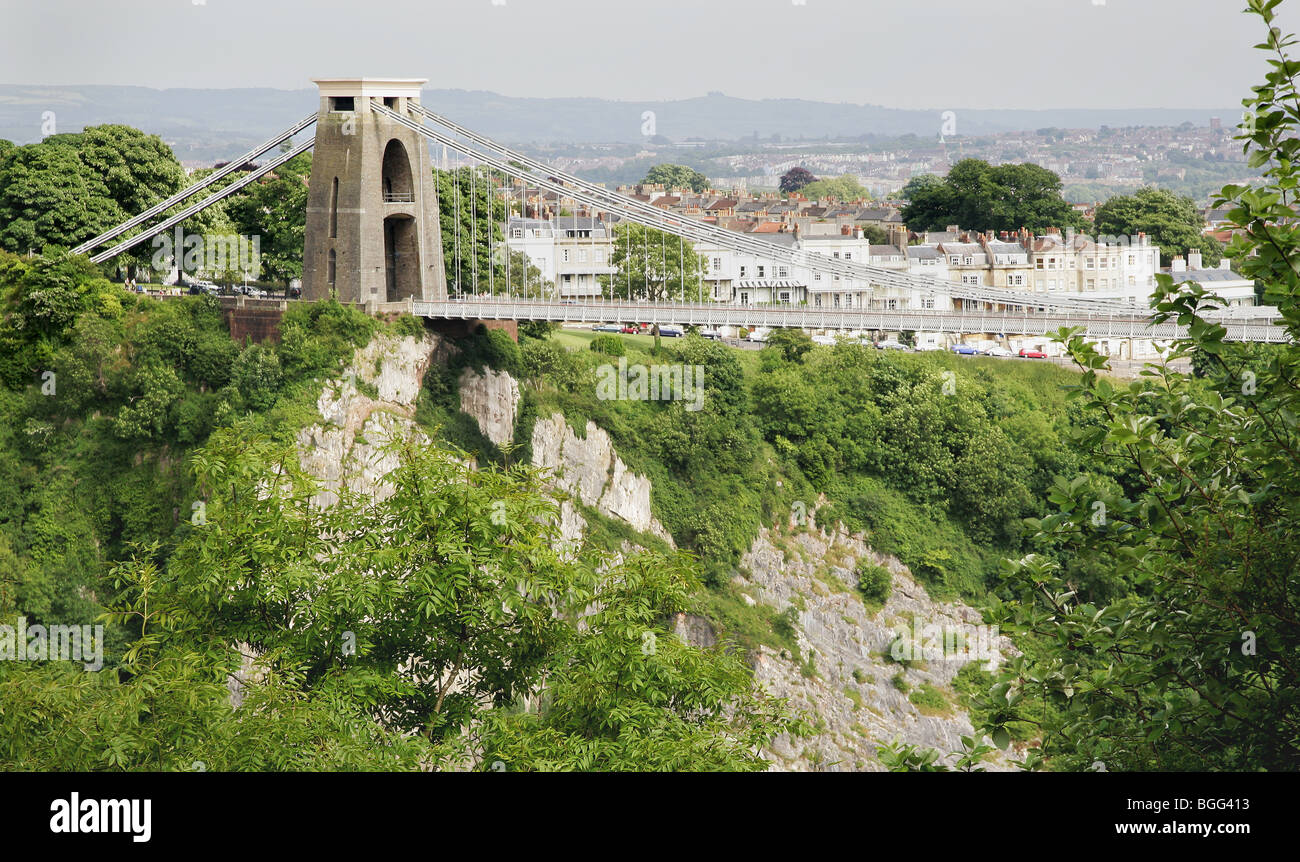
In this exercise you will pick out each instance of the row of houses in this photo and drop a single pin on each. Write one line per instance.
(574, 252)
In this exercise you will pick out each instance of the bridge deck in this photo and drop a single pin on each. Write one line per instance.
(1265, 328)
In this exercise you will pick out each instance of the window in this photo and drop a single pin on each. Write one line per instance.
(334, 210)
(342, 103)
(760, 269)
(564, 255)
(1132, 260)
(817, 276)
(717, 264)
(1092, 284)
(848, 255)
(783, 272)
(742, 271)
(517, 233)
(969, 261)
(817, 302)
(785, 296)
(1040, 264)
(744, 298)
(582, 255)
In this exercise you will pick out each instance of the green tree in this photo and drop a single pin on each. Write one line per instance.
(677, 177)
(842, 189)
(415, 650)
(651, 265)
(68, 188)
(979, 196)
(1172, 222)
(1198, 668)
(275, 209)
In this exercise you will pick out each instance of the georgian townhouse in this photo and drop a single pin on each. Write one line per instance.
(925, 260)
(967, 262)
(572, 252)
(1009, 264)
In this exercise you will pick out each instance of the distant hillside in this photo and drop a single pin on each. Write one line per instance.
(204, 125)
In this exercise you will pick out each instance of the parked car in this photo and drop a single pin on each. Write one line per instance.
(1032, 354)
(828, 340)
(711, 334)
(927, 348)
(965, 350)
(998, 350)
(607, 327)
(631, 329)
(890, 345)
(670, 332)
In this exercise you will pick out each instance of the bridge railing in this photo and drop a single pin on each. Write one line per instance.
(958, 322)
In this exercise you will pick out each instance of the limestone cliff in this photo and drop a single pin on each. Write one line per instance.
(845, 677)
(856, 696)
(371, 404)
(589, 469)
(492, 399)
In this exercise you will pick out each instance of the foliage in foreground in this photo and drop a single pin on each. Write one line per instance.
(410, 632)
(1200, 667)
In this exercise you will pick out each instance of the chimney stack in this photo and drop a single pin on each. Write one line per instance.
(1194, 258)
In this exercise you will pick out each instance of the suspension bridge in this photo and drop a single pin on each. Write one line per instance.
(374, 237)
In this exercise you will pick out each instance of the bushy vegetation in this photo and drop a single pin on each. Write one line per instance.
(874, 584)
(610, 345)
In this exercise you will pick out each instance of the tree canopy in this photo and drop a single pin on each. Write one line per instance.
(978, 196)
(1172, 222)
(839, 188)
(1197, 667)
(795, 179)
(677, 177)
(68, 188)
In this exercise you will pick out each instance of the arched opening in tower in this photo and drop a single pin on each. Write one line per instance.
(401, 257)
(398, 183)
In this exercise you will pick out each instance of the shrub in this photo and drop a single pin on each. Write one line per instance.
(929, 699)
(610, 345)
(874, 584)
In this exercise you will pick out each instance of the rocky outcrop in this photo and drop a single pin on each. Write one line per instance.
(492, 399)
(843, 676)
(370, 406)
(590, 470)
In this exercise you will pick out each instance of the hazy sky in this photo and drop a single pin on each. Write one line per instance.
(897, 53)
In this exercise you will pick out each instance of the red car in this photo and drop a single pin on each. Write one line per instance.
(631, 330)
(1032, 354)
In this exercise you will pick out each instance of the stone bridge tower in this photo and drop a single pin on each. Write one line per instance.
(372, 231)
